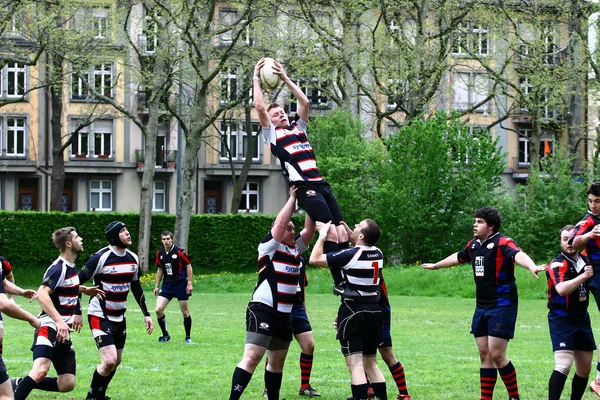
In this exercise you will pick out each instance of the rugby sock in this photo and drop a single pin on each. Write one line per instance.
(398, 374)
(487, 382)
(509, 377)
(162, 322)
(49, 384)
(108, 379)
(239, 381)
(306, 362)
(578, 387)
(98, 385)
(187, 323)
(360, 392)
(273, 384)
(557, 384)
(380, 390)
(25, 387)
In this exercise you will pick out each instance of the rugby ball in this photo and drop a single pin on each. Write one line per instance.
(270, 80)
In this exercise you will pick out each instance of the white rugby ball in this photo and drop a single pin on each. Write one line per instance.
(270, 80)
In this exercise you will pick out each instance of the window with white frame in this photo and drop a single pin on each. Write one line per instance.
(227, 19)
(524, 135)
(13, 136)
(396, 90)
(149, 37)
(547, 110)
(94, 140)
(228, 86)
(229, 140)
(13, 80)
(543, 43)
(101, 195)
(15, 22)
(255, 150)
(470, 89)
(100, 23)
(159, 196)
(99, 75)
(405, 30)
(249, 200)
(471, 38)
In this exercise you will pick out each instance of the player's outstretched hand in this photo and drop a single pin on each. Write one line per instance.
(77, 323)
(258, 66)
(30, 294)
(428, 266)
(536, 269)
(346, 227)
(189, 287)
(93, 291)
(149, 325)
(279, 70)
(63, 332)
(293, 191)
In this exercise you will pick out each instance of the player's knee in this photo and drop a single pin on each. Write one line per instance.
(563, 361)
(159, 312)
(186, 313)
(38, 375)
(66, 383)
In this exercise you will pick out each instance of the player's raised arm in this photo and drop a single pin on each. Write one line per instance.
(284, 217)
(259, 101)
(303, 103)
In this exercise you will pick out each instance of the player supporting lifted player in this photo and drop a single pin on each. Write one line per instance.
(114, 270)
(175, 269)
(493, 258)
(359, 316)
(268, 316)
(570, 327)
(289, 143)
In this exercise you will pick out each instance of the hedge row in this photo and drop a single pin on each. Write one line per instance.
(216, 242)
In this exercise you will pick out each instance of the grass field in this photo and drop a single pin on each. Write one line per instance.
(431, 338)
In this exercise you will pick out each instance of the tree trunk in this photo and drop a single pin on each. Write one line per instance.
(57, 180)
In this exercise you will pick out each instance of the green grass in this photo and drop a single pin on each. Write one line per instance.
(431, 338)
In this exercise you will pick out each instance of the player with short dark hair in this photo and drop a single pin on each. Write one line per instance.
(569, 321)
(492, 256)
(268, 316)
(289, 143)
(303, 334)
(174, 268)
(58, 296)
(586, 238)
(359, 317)
(115, 270)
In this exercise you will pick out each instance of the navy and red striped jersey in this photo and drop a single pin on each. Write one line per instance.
(62, 279)
(361, 265)
(293, 150)
(562, 269)
(384, 301)
(278, 273)
(592, 247)
(493, 262)
(113, 273)
(5, 266)
(172, 263)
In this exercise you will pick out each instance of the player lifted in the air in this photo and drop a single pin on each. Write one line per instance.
(289, 143)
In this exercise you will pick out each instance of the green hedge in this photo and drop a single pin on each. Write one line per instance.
(216, 242)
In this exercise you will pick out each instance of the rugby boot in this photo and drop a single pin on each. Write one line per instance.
(308, 391)
(165, 338)
(403, 396)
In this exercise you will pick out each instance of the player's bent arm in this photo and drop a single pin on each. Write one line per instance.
(11, 288)
(10, 277)
(11, 309)
(317, 257)
(303, 103)
(284, 217)
(447, 262)
(309, 230)
(47, 305)
(525, 261)
(580, 241)
(567, 287)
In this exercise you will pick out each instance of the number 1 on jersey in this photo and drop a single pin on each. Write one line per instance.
(375, 266)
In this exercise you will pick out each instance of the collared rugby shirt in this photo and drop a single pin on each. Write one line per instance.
(562, 269)
(62, 279)
(361, 265)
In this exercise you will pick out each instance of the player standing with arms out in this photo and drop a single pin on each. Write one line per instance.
(289, 143)
(493, 258)
(359, 317)
(268, 316)
(175, 269)
(115, 270)
(58, 296)
(586, 236)
(570, 327)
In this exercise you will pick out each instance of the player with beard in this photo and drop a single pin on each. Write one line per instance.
(115, 270)
(570, 327)
(493, 257)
